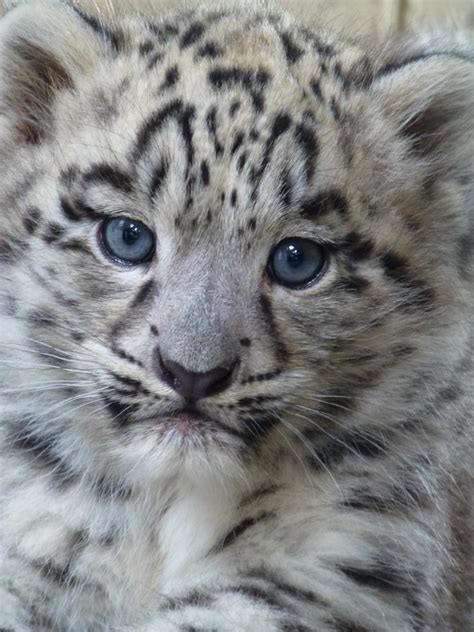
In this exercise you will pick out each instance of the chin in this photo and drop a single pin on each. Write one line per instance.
(173, 450)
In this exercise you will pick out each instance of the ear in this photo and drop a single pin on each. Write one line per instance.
(44, 46)
(430, 99)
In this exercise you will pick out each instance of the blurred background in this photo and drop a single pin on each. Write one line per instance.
(370, 19)
(378, 18)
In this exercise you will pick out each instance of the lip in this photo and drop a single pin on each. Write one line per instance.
(185, 423)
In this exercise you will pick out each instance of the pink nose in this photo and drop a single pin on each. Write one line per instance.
(194, 386)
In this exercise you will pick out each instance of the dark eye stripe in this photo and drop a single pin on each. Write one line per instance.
(103, 173)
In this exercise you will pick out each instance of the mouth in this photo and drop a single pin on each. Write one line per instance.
(184, 423)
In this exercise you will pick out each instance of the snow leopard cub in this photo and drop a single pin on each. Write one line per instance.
(235, 283)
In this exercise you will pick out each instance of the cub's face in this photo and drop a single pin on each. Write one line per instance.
(206, 232)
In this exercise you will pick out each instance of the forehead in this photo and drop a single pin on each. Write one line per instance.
(208, 112)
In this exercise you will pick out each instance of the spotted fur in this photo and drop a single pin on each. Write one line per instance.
(326, 488)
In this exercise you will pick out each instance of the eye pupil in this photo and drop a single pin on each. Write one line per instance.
(127, 241)
(131, 233)
(296, 262)
(294, 256)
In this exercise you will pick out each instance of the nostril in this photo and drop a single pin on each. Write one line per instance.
(224, 380)
(165, 373)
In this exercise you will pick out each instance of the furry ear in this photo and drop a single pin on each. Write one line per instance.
(43, 47)
(430, 99)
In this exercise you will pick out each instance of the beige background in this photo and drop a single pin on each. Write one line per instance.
(373, 18)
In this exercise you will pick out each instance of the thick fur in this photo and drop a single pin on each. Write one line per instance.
(326, 489)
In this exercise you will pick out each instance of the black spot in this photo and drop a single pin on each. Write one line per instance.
(143, 294)
(241, 162)
(252, 223)
(285, 188)
(69, 175)
(42, 318)
(265, 377)
(322, 48)
(154, 124)
(281, 124)
(340, 76)
(205, 178)
(450, 393)
(292, 51)
(294, 627)
(233, 198)
(109, 489)
(342, 625)
(243, 526)
(256, 496)
(41, 452)
(256, 593)
(53, 232)
(234, 108)
(154, 330)
(146, 48)
(211, 122)
(192, 35)
(77, 211)
(76, 245)
(164, 32)
(253, 81)
(121, 412)
(8, 253)
(357, 247)
(353, 284)
(56, 574)
(316, 89)
(465, 253)
(126, 356)
(253, 134)
(69, 211)
(171, 78)
(306, 140)
(32, 220)
(266, 307)
(211, 50)
(396, 65)
(187, 132)
(238, 140)
(155, 59)
(114, 38)
(245, 342)
(383, 575)
(323, 203)
(249, 402)
(335, 109)
(364, 443)
(279, 585)
(397, 269)
(11, 305)
(256, 427)
(160, 174)
(193, 598)
(365, 499)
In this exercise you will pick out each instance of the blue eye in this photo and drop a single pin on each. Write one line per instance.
(297, 262)
(127, 240)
